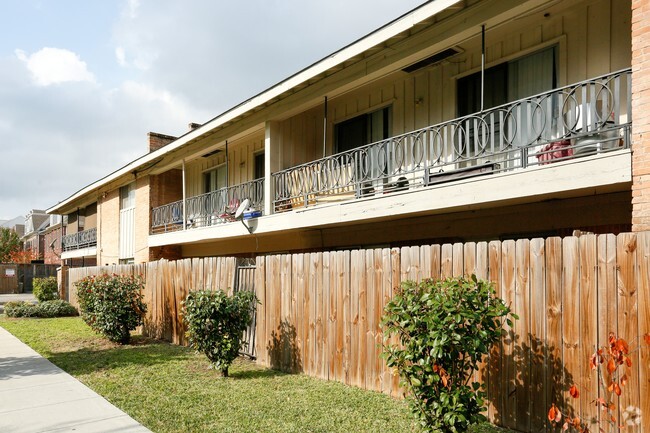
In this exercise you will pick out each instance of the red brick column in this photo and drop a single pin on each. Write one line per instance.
(640, 115)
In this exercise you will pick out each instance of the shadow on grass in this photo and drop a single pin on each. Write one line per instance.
(256, 374)
(142, 352)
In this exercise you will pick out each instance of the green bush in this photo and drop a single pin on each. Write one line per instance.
(20, 309)
(112, 305)
(444, 329)
(46, 289)
(216, 322)
(55, 308)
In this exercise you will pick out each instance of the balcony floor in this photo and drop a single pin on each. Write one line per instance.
(602, 173)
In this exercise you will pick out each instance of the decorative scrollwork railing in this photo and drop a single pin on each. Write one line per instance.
(212, 208)
(580, 119)
(83, 239)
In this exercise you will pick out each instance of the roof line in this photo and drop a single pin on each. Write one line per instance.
(378, 36)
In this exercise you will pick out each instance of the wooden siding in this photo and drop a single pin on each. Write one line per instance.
(8, 279)
(428, 96)
(240, 169)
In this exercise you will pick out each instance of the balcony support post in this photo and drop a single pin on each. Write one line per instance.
(184, 199)
(272, 158)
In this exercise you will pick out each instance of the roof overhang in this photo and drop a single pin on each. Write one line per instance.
(332, 62)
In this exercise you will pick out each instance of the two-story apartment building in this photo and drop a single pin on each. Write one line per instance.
(36, 222)
(461, 120)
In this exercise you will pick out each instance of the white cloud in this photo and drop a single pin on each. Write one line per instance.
(132, 7)
(120, 55)
(55, 65)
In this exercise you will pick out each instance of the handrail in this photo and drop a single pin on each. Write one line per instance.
(82, 239)
(212, 208)
(591, 114)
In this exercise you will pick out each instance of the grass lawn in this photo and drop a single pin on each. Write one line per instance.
(171, 389)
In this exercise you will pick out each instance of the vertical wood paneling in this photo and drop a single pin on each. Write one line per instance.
(571, 300)
(554, 319)
(320, 313)
(522, 340)
(628, 325)
(588, 323)
(495, 366)
(643, 278)
(357, 287)
(508, 293)
(538, 369)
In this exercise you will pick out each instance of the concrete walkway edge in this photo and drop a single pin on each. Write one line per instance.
(37, 396)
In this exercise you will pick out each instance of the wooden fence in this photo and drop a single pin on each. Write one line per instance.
(320, 313)
(8, 279)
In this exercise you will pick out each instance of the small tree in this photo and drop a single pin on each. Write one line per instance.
(46, 289)
(9, 244)
(615, 357)
(444, 329)
(216, 323)
(112, 305)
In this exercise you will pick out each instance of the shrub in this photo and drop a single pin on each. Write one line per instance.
(112, 305)
(216, 322)
(20, 309)
(55, 308)
(444, 328)
(46, 289)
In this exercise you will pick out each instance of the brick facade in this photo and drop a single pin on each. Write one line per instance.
(52, 253)
(156, 140)
(169, 252)
(641, 118)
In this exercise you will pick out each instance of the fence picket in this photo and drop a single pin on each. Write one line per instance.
(320, 313)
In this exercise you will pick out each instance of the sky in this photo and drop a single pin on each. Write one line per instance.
(83, 82)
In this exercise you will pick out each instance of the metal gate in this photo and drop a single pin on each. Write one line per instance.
(27, 273)
(245, 280)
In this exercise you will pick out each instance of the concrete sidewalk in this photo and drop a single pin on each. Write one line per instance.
(37, 396)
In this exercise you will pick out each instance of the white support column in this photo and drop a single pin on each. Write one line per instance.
(272, 156)
(184, 200)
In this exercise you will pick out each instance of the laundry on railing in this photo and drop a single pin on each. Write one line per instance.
(554, 151)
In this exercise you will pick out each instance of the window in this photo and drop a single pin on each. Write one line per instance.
(127, 196)
(361, 130)
(258, 168)
(526, 76)
(215, 179)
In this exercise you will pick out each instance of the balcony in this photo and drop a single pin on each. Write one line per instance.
(210, 209)
(564, 124)
(79, 240)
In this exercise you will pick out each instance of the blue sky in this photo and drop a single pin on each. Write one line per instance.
(82, 82)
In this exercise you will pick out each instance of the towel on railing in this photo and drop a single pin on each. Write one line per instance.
(555, 150)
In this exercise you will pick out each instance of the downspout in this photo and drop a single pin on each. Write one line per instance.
(227, 167)
(482, 66)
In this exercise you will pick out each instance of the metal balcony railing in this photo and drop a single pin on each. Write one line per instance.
(216, 207)
(76, 241)
(582, 119)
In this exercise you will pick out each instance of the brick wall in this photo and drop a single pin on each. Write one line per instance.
(52, 256)
(169, 252)
(156, 140)
(640, 115)
(165, 188)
